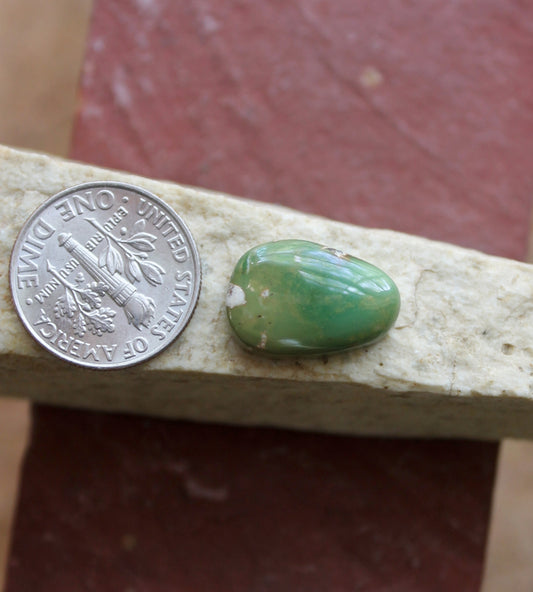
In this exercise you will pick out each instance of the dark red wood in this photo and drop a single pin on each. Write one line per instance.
(411, 115)
(116, 503)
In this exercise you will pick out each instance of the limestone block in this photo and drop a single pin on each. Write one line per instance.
(458, 362)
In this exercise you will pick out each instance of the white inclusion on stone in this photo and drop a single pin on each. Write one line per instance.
(297, 258)
(263, 342)
(235, 296)
(337, 253)
(265, 293)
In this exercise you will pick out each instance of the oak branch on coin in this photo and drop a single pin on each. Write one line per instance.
(458, 362)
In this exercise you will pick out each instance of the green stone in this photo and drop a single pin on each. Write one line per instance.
(295, 297)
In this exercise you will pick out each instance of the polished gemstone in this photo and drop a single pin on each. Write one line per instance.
(296, 297)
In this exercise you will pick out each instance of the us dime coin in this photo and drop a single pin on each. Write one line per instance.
(105, 275)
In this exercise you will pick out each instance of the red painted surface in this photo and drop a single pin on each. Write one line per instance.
(115, 503)
(411, 115)
(415, 116)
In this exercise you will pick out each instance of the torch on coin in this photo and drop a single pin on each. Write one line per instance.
(139, 308)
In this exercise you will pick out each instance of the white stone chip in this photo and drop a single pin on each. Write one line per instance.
(235, 296)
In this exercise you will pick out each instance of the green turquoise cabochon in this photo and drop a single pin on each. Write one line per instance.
(295, 297)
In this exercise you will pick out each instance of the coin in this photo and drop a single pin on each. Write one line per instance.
(105, 275)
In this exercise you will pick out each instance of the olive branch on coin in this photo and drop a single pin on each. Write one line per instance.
(131, 256)
(82, 306)
(138, 307)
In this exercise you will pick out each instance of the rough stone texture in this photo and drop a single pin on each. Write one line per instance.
(457, 363)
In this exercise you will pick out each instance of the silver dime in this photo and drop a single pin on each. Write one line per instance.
(105, 275)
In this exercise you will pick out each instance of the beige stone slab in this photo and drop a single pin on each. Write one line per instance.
(458, 362)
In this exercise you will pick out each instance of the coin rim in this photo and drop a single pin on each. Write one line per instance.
(89, 185)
